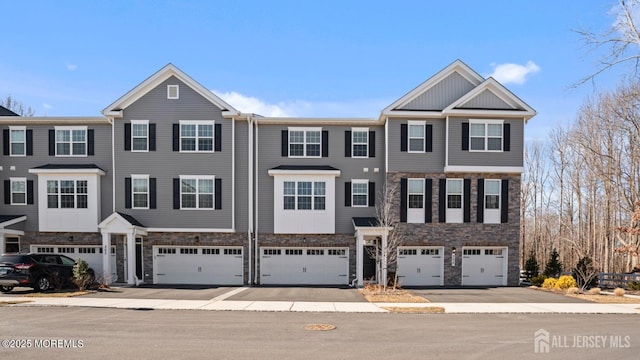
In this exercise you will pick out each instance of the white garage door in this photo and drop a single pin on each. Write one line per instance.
(92, 254)
(421, 266)
(198, 265)
(304, 266)
(484, 266)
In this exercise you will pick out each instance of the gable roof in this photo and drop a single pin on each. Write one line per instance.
(472, 93)
(6, 112)
(115, 109)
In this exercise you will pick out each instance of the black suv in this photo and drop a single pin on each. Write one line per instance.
(38, 271)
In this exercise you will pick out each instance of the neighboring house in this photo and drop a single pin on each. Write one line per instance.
(175, 186)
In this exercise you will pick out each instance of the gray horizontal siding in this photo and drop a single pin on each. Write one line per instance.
(442, 94)
(458, 157)
(164, 164)
(22, 164)
(269, 156)
(242, 176)
(417, 162)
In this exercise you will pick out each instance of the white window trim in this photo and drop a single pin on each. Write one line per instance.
(177, 88)
(409, 193)
(313, 195)
(424, 137)
(486, 122)
(197, 123)
(199, 177)
(304, 141)
(75, 194)
(71, 142)
(360, 181)
(26, 190)
(133, 193)
(455, 215)
(353, 143)
(492, 216)
(139, 122)
(17, 128)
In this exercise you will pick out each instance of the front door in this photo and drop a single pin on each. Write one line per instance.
(139, 267)
(369, 273)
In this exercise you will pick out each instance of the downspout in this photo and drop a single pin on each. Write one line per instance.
(257, 248)
(250, 192)
(233, 174)
(113, 167)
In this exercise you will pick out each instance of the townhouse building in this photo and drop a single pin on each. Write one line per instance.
(172, 185)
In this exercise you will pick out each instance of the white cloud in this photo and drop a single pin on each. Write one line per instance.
(303, 108)
(47, 106)
(514, 73)
(72, 67)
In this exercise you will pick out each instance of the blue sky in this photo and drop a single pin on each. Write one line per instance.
(299, 58)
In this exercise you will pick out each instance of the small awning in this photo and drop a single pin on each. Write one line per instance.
(304, 169)
(365, 222)
(67, 168)
(119, 223)
(8, 220)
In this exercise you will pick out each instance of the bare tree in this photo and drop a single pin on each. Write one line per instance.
(620, 43)
(386, 251)
(17, 106)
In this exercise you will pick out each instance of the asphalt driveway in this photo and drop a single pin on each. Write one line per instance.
(493, 295)
(321, 294)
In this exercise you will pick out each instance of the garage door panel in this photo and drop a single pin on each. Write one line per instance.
(484, 266)
(420, 266)
(92, 254)
(198, 265)
(304, 266)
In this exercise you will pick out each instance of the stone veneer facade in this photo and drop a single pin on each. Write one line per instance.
(459, 235)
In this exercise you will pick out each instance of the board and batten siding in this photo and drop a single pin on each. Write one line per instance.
(459, 157)
(40, 157)
(164, 164)
(269, 157)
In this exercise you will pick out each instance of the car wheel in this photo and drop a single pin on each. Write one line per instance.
(6, 289)
(43, 283)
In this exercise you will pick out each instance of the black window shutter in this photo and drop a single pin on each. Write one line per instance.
(30, 192)
(127, 137)
(404, 136)
(152, 193)
(127, 193)
(467, 200)
(91, 142)
(218, 139)
(347, 143)
(465, 136)
(429, 138)
(7, 191)
(52, 142)
(403, 200)
(284, 150)
(480, 208)
(5, 141)
(506, 139)
(428, 193)
(325, 143)
(176, 193)
(372, 194)
(152, 137)
(347, 193)
(176, 143)
(218, 191)
(504, 198)
(29, 142)
(372, 144)
(442, 201)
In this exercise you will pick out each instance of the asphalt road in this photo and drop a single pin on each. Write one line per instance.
(130, 334)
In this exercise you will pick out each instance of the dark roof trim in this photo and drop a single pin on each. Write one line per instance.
(6, 112)
(130, 219)
(365, 222)
(305, 167)
(8, 218)
(68, 167)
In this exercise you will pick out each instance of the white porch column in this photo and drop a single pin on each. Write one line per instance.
(106, 257)
(384, 258)
(131, 258)
(3, 249)
(359, 258)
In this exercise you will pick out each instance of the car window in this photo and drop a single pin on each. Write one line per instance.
(49, 259)
(67, 260)
(13, 259)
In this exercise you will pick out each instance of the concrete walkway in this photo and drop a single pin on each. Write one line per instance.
(221, 303)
